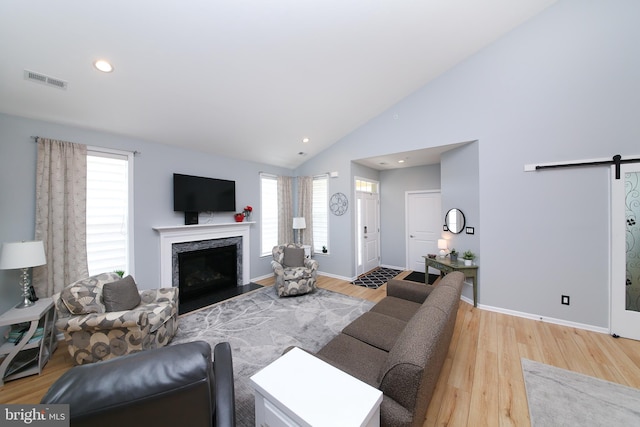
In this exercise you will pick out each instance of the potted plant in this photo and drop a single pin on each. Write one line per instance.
(468, 257)
(453, 255)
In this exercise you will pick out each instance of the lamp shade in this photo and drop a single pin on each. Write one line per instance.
(442, 243)
(22, 255)
(299, 222)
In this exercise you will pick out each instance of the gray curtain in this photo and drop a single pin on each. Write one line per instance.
(61, 199)
(305, 208)
(285, 210)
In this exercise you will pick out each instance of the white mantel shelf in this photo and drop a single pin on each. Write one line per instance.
(201, 227)
(191, 233)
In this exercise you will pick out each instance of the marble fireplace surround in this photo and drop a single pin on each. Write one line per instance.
(171, 235)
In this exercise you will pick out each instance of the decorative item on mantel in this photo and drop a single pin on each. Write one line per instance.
(239, 217)
(247, 212)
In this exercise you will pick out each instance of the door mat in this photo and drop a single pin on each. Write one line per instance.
(376, 278)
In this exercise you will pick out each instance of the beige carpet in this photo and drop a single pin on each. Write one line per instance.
(558, 397)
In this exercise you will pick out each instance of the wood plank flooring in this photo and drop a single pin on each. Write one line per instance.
(481, 383)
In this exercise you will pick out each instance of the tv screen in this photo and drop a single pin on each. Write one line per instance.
(198, 194)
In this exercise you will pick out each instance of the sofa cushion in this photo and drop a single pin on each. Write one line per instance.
(293, 257)
(354, 357)
(397, 308)
(121, 295)
(85, 296)
(376, 329)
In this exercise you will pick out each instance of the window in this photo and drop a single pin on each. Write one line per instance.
(269, 213)
(320, 212)
(108, 207)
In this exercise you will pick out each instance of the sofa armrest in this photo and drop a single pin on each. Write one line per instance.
(224, 386)
(406, 289)
(311, 264)
(104, 321)
(161, 295)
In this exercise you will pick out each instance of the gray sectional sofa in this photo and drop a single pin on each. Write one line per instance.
(400, 346)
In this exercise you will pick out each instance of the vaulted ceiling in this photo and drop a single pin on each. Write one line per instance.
(247, 79)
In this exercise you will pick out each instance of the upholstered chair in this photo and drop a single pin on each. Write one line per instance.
(104, 316)
(295, 274)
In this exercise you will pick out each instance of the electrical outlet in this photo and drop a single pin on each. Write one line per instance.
(565, 299)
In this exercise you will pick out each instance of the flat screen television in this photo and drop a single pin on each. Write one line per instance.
(193, 194)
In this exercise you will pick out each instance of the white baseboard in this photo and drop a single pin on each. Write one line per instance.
(335, 276)
(266, 276)
(555, 321)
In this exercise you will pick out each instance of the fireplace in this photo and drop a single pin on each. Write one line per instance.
(206, 271)
(203, 248)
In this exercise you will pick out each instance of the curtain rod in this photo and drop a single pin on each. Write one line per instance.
(135, 152)
(616, 160)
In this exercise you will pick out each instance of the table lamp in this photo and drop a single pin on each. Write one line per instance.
(299, 224)
(442, 245)
(23, 255)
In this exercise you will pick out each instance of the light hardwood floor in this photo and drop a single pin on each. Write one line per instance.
(481, 383)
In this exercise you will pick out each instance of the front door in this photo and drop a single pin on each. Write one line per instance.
(625, 252)
(424, 227)
(368, 231)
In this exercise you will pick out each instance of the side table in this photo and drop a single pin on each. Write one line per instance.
(446, 266)
(298, 389)
(23, 357)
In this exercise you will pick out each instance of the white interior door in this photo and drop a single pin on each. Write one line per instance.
(625, 251)
(424, 227)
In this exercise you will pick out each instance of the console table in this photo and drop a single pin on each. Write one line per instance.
(298, 389)
(28, 356)
(446, 266)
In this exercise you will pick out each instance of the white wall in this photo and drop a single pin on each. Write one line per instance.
(562, 86)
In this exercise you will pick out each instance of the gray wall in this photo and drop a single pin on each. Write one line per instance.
(393, 187)
(153, 203)
(562, 86)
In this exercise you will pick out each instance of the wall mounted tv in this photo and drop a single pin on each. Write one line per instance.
(193, 194)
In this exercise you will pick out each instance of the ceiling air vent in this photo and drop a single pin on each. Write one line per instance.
(44, 79)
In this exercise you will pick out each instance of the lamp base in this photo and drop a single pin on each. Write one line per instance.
(25, 285)
(26, 303)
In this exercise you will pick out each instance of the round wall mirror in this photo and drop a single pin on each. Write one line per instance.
(454, 220)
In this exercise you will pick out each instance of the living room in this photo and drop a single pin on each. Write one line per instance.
(561, 87)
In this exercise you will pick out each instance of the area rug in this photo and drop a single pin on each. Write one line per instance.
(259, 326)
(558, 397)
(418, 276)
(376, 278)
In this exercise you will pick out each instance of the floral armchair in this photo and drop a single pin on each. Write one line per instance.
(295, 274)
(94, 333)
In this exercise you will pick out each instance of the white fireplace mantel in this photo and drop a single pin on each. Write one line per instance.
(193, 233)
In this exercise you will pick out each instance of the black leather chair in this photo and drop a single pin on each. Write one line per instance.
(171, 386)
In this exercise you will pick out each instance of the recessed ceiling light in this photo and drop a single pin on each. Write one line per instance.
(305, 140)
(400, 161)
(103, 66)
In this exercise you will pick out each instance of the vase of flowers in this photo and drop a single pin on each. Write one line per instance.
(247, 212)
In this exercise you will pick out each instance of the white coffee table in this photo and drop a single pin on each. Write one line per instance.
(298, 389)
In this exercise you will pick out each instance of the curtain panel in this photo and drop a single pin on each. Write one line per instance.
(285, 209)
(61, 198)
(305, 208)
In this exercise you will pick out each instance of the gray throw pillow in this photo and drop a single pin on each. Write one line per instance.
(121, 295)
(293, 257)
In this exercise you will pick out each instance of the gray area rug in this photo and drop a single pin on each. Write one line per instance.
(259, 326)
(558, 397)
